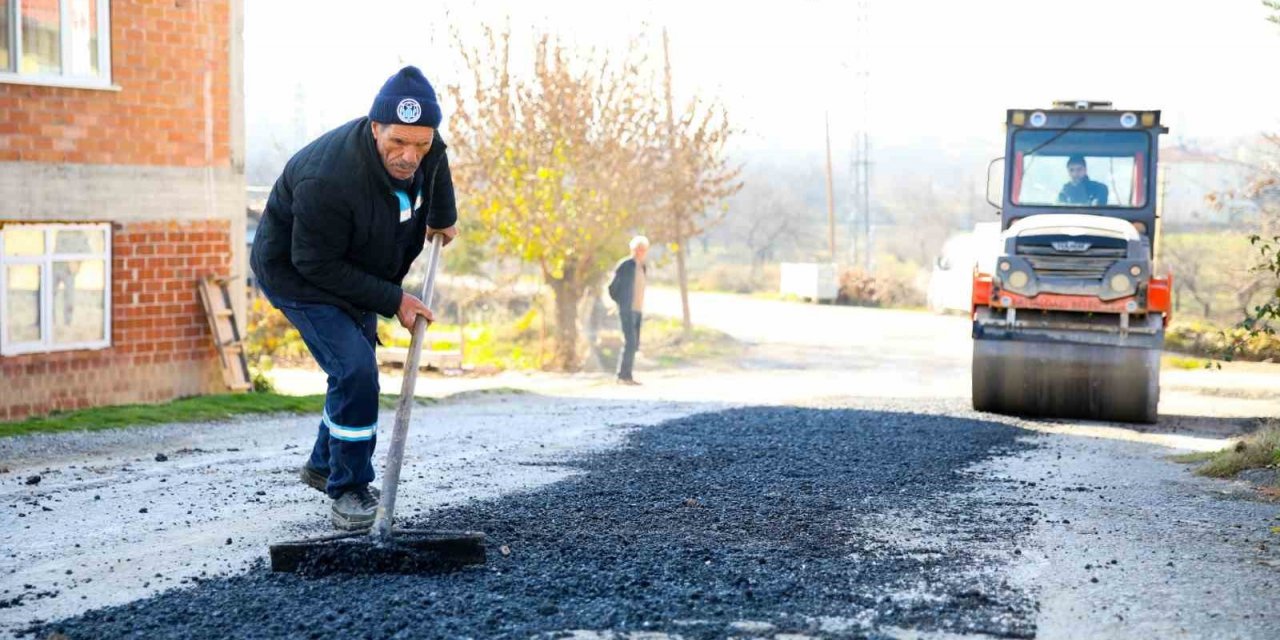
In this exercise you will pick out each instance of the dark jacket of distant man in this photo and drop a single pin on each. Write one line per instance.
(627, 290)
(1086, 192)
(622, 288)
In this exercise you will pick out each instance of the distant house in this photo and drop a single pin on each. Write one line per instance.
(1190, 177)
(121, 184)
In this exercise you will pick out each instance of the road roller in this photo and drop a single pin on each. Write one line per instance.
(1069, 318)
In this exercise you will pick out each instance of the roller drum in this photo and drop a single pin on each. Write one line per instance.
(1066, 380)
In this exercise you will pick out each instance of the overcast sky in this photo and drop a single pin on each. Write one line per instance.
(942, 72)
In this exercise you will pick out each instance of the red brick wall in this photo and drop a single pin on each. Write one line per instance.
(160, 343)
(160, 50)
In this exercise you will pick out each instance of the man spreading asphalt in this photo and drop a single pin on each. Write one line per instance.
(627, 290)
(341, 228)
(1080, 189)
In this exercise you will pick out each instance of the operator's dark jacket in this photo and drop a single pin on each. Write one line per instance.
(1087, 192)
(331, 230)
(622, 289)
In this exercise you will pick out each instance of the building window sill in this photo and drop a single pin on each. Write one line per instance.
(28, 349)
(92, 84)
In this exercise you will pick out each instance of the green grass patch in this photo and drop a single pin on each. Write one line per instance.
(664, 341)
(389, 401)
(670, 346)
(777, 296)
(1185, 363)
(1255, 451)
(489, 391)
(196, 409)
(1195, 457)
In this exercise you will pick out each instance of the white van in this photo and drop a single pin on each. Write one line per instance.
(951, 284)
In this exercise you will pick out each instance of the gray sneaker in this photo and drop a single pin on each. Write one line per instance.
(354, 510)
(317, 481)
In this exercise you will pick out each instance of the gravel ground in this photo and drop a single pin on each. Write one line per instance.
(757, 521)
(110, 522)
(879, 505)
(1134, 546)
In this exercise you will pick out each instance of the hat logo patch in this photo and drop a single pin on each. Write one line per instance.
(409, 111)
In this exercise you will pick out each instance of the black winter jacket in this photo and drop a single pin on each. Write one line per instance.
(622, 288)
(331, 230)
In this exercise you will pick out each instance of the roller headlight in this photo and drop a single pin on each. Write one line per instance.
(1018, 279)
(1121, 283)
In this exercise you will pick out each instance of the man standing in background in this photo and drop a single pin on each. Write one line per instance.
(627, 290)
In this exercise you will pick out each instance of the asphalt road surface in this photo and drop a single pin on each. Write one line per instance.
(830, 482)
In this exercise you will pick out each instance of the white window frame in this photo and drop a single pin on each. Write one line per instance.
(46, 260)
(14, 74)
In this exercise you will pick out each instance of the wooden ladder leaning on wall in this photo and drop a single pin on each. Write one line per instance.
(226, 335)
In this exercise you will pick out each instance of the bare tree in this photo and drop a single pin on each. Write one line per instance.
(925, 213)
(763, 217)
(696, 176)
(1211, 274)
(1264, 192)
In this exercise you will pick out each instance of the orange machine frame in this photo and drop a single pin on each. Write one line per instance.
(1159, 298)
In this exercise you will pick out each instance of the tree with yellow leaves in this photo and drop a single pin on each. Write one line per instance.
(556, 166)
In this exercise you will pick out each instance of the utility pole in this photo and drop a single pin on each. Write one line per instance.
(861, 157)
(831, 200)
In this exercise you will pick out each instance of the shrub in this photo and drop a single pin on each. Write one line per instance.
(735, 278)
(1255, 451)
(262, 383)
(1235, 343)
(892, 284)
(270, 334)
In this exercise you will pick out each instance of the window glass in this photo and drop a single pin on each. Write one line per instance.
(57, 289)
(22, 303)
(79, 301)
(82, 58)
(1065, 168)
(79, 241)
(4, 37)
(23, 241)
(41, 37)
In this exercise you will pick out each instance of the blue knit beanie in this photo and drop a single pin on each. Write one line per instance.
(407, 98)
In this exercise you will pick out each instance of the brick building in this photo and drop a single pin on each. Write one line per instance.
(121, 184)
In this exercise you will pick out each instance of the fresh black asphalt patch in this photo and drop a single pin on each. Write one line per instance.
(773, 518)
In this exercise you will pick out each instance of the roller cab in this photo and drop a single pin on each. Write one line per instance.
(1070, 321)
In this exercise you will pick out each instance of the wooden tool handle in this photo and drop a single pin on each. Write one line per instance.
(395, 453)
